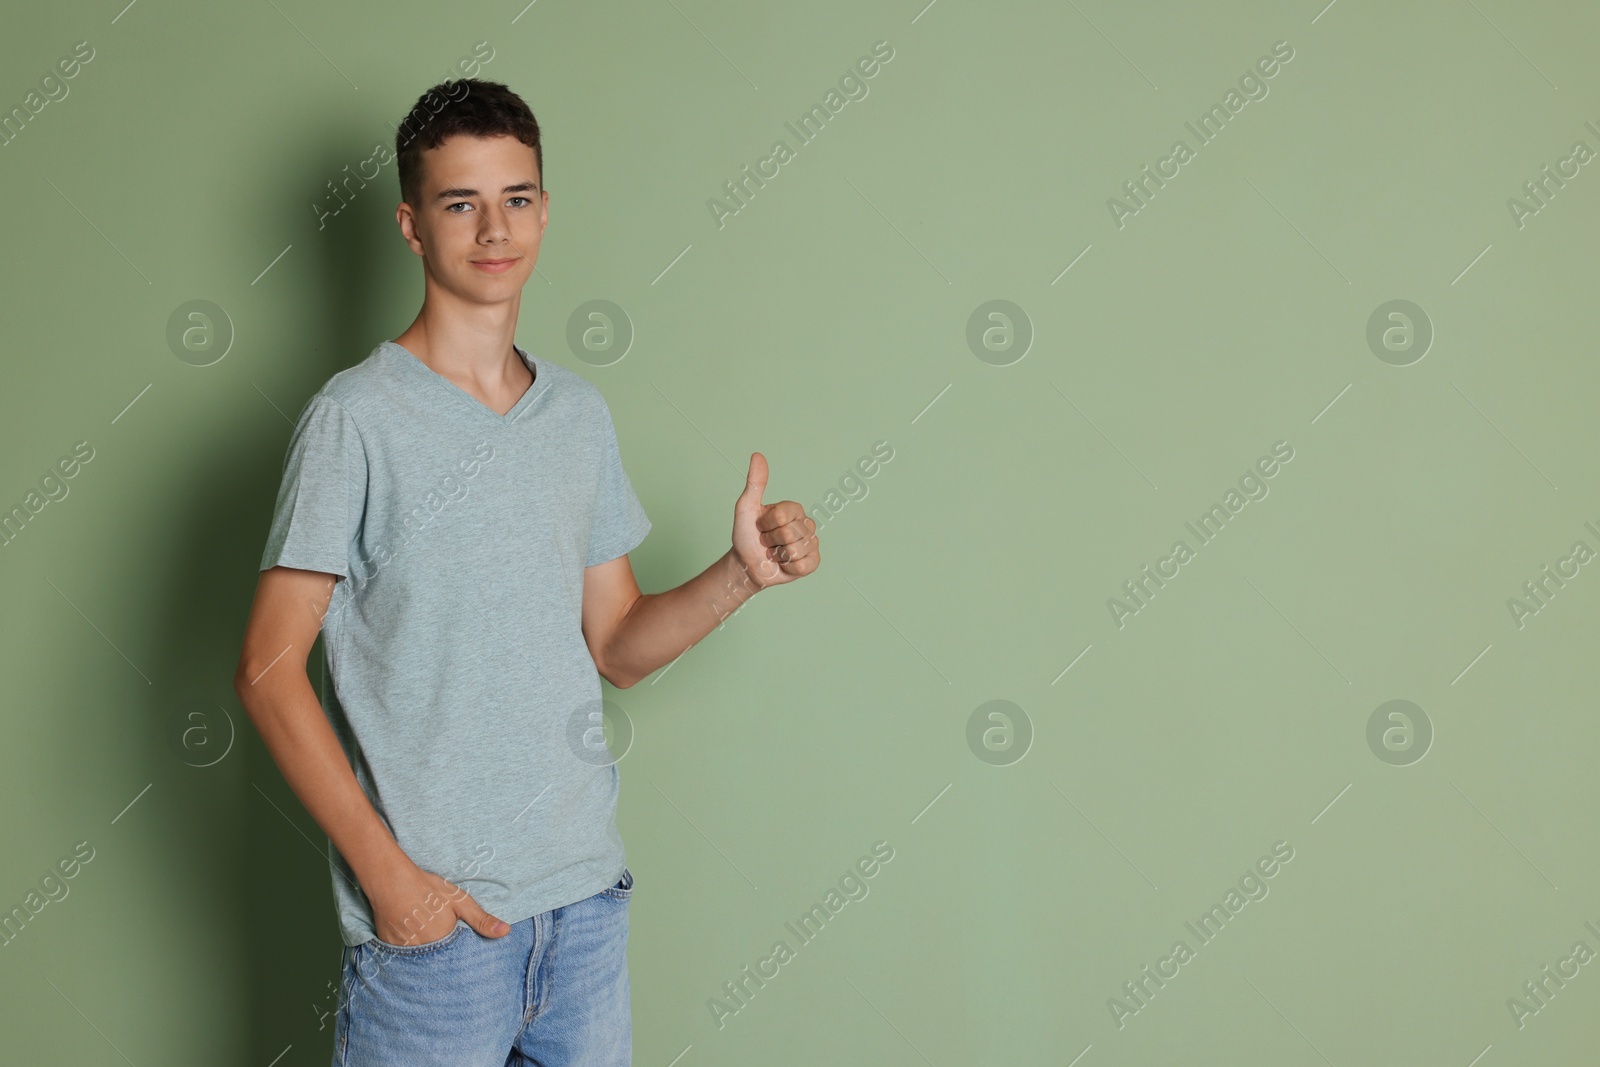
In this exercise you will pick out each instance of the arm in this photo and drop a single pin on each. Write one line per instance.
(630, 634)
(409, 904)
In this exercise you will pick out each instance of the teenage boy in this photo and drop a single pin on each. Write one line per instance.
(454, 518)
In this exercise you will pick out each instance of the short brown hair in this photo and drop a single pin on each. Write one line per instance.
(462, 106)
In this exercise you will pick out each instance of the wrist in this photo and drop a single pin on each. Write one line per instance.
(745, 581)
(384, 868)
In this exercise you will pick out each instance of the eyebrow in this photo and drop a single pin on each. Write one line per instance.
(456, 194)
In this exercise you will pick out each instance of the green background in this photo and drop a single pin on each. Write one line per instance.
(830, 313)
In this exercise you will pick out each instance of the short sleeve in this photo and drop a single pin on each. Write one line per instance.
(323, 493)
(619, 519)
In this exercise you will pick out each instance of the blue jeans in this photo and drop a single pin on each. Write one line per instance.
(551, 993)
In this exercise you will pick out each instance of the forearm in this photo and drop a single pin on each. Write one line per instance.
(660, 627)
(289, 717)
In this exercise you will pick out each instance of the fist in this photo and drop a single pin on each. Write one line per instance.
(777, 543)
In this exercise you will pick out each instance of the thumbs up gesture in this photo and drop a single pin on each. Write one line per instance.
(777, 543)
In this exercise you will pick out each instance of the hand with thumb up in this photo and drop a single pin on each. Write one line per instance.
(777, 542)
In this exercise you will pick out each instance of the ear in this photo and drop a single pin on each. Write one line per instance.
(406, 217)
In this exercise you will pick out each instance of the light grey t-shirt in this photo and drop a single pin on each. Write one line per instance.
(461, 686)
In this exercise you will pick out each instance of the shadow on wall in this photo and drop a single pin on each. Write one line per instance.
(256, 862)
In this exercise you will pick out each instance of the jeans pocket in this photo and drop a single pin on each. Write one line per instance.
(417, 950)
(623, 889)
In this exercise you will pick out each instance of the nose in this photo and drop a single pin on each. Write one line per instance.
(494, 225)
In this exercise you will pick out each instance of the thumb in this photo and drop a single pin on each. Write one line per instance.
(755, 483)
(480, 920)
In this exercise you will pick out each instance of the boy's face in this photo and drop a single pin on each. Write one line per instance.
(481, 201)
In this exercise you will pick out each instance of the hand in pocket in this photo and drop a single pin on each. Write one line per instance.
(417, 907)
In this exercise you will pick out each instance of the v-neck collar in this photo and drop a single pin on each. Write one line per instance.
(541, 382)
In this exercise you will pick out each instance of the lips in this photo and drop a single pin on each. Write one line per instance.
(494, 266)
